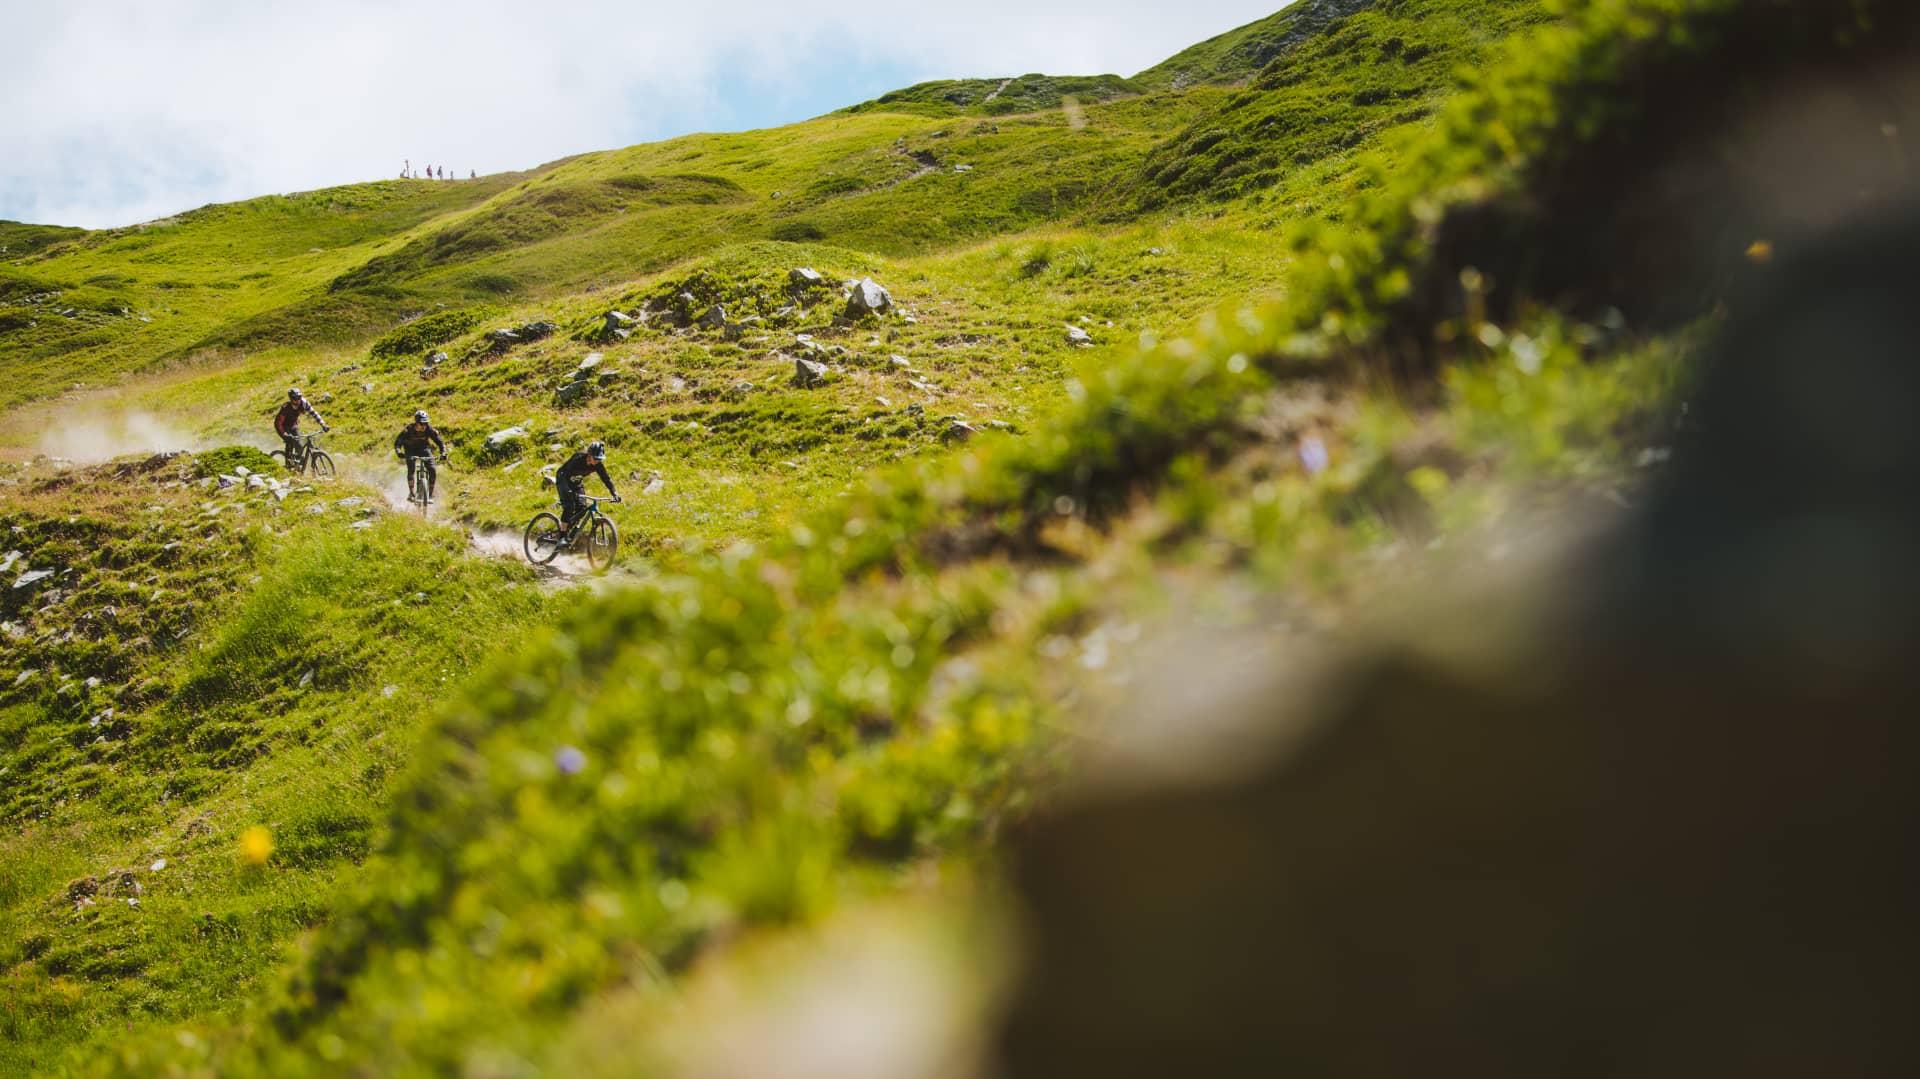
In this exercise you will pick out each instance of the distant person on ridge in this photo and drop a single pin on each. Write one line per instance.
(286, 423)
(572, 482)
(416, 443)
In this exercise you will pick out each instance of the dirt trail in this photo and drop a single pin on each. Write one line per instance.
(996, 91)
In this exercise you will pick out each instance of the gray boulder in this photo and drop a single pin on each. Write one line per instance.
(809, 373)
(868, 298)
(573, 392)
(807, 277)
(1078, 337)
(714, 319)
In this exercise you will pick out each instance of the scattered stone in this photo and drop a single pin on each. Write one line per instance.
(868, 298)
(307, 678)
(572, 392)
(655, 485)
(963, 168)
(505, 437)
(361, 524)
(1078, 337)
(389, 691)
(347, 503)
(806, 373)
(714, 319)
(31, 578)
(958, 430)
(617, 324)
(25, 676)
(7, 563)
(807, 277)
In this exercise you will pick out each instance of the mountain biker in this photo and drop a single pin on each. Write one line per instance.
(286, 423)
(416, 443)
(572, 481)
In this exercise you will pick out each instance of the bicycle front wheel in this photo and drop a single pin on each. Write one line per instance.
(320, 464)
(542, 542)
(602, 544)
(420, 490)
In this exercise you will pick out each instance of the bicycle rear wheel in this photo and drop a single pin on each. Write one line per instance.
(540, 542)
(320, 464)
(602, 544)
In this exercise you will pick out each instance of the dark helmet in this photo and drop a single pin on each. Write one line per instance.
(420, 415)
(293, 394)
(597, 451)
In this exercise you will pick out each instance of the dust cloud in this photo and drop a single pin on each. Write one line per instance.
(102, 438)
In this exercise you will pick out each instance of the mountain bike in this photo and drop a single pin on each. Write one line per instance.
(595, 531)
(420, 492)
(309, 458)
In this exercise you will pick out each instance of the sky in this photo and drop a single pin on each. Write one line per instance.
(114, 112)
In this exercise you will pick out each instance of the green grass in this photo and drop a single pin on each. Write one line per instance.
(255, 664)
(850, 646)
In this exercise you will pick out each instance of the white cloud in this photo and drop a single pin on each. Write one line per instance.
(117, 111)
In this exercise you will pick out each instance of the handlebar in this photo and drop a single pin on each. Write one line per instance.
(597, 499)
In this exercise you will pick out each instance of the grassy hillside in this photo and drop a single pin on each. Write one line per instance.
(387, 804)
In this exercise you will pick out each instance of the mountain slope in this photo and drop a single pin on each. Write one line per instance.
(875, 603)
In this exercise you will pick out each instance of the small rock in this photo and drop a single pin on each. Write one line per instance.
(714, 319)
(807, 277)
(307, 678)
(32, 577)
(389, 691)
(1078, 337)
(361, 524)
(25, 676)
(348, 503)
(505, 436)
(959, 430)
(158, 865)
(963, 168)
